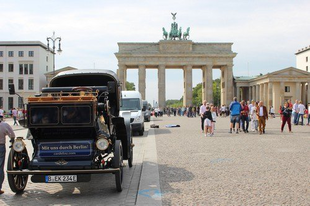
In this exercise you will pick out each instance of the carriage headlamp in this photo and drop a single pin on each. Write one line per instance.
(18, 145)
(102, 144)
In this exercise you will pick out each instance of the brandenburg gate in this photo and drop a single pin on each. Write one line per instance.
(179, 53)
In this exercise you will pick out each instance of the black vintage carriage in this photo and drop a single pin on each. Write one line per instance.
(75, 130)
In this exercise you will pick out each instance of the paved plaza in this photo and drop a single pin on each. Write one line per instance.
(226, 169)
(232, 169)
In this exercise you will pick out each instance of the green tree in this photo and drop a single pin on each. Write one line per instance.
(197, 94)
(130, 86)
(217, 92)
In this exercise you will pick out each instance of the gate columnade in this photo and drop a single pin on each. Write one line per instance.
(186, 55)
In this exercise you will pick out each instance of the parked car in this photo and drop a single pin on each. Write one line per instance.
(75, 130)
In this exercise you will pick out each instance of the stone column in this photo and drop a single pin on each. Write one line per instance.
(203, 95)
(250, 93)
(209, 84)
(297, 91)
(121, 73)
(266, 100)
(223, 86)
(303, 93)
(142, 78)
(282, 90)
(188, 86)
(161, 86)
(257, 93)
(229, 83)
(261, 92)
(238, 93)
(270, 94)
(308, 93)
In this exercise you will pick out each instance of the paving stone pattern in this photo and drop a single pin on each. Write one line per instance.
(232, 169)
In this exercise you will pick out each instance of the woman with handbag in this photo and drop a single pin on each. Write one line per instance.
(286, 117)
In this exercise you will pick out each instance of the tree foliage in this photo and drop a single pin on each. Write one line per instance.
(197, 95)
(130, 86)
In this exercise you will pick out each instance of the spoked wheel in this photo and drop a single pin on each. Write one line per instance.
(118, 163)
(18, 161)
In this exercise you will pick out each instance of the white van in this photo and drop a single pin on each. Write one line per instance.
(132, 101)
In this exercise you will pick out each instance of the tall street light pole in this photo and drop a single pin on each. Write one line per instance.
(54, 40)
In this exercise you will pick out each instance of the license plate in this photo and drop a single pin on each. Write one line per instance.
(61, 178)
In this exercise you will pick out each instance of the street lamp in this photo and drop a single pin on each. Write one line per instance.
(54, 40)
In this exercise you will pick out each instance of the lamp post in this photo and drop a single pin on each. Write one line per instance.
(54, 40)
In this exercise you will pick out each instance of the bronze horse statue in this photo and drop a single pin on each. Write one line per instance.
(186, 34)
(165, 33)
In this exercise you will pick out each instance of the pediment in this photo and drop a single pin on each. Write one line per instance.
(290, 72)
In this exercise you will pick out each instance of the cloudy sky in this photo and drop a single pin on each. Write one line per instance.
(265, 33)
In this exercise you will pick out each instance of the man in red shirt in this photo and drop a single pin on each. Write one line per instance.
(245, 116)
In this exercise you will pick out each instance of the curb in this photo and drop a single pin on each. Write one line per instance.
(149, 192)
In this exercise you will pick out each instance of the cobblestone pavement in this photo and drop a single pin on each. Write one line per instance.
(232, 169)
(100, 190)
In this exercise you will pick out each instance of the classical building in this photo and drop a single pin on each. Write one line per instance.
(22, 63)
(274, 88)
(186, 55)
(303, 59)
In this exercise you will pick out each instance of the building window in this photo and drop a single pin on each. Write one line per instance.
(30, 68)
(1, 53)
(46, 68)
(10, 81)
(31, 53)
(287, 89)
(306, 68)
(11, 53)
(1, 67)
(11, 67)
(1, 84)
(25, 68)
(21, 68)
(21, 53)
(1, 101)
(30, 84)
(47, 58)
(10, 102)
(20, 84)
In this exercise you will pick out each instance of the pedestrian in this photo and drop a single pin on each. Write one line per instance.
(5, 129)
(245, 117)
(15, 113)
(208, 122)
(286, 117)
(262, 116)
(308, 115)
(235, 109)
(194, 111)
(201, 113)
(272, 112)
(295, 112)
(301, 112)
(254, 119)
(250, 115)
(214, 115)
(1, 113)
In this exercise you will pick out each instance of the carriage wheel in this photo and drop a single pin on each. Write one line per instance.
(17, 183)
(118, 163)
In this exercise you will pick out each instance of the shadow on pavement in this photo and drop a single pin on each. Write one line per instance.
(169, 175)
(162, 131)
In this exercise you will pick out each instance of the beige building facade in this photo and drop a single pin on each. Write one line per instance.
(275, 88)
(303, 59)
(183, 54)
